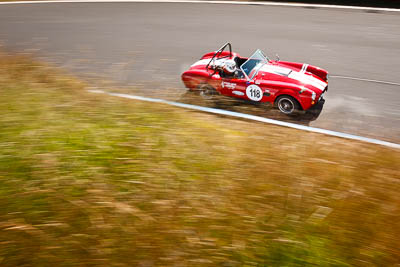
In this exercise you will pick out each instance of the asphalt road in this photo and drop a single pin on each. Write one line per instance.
(147, 45)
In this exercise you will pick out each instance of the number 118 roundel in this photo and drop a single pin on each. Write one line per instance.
(289, 86)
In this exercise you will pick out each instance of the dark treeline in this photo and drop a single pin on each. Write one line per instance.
(382, 3)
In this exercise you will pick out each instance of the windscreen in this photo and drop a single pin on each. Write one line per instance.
(254, 63)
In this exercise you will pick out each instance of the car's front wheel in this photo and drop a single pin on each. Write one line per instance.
(287, 105)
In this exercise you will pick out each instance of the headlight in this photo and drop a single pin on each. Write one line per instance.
(327, 77)
(313, 95)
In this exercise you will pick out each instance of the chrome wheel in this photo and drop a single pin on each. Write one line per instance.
(286, 105)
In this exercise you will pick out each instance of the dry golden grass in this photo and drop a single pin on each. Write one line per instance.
(93, 180)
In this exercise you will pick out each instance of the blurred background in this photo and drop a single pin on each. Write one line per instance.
(89, 179)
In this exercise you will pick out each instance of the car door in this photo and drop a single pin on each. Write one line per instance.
(234, 87)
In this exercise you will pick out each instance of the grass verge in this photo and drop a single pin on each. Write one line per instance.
(87, 179)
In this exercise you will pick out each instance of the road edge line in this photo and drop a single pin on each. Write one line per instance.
(364, 80)
(253, 118)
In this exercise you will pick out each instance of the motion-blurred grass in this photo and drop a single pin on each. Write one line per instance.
(87, 179)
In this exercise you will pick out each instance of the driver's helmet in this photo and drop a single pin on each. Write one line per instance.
(229, 66)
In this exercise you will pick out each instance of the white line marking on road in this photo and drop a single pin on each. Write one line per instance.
(211, 2)
(252, 117)
(362, 79)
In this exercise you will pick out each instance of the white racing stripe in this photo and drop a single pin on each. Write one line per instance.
(254, 118)
(212, 2)
(276, 69)
(304, 68)
(307, 79)
(299, 76)
(201, 62)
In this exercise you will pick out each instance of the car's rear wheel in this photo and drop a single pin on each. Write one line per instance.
(287, 105)
(206, 91)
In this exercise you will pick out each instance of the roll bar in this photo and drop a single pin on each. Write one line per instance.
(219, 52)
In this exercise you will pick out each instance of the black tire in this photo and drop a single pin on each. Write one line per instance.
(287, 105)
(206, 91)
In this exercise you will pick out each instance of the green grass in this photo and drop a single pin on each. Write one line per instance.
(87, 179)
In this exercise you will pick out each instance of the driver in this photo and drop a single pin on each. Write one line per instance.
(229, 67)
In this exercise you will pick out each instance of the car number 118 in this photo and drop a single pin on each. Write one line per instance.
(253, 92)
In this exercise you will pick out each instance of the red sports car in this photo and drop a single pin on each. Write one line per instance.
(288, 85)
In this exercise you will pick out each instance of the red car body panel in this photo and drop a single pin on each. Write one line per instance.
(303, 82)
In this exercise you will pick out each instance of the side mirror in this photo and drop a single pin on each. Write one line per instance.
(277, 57)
